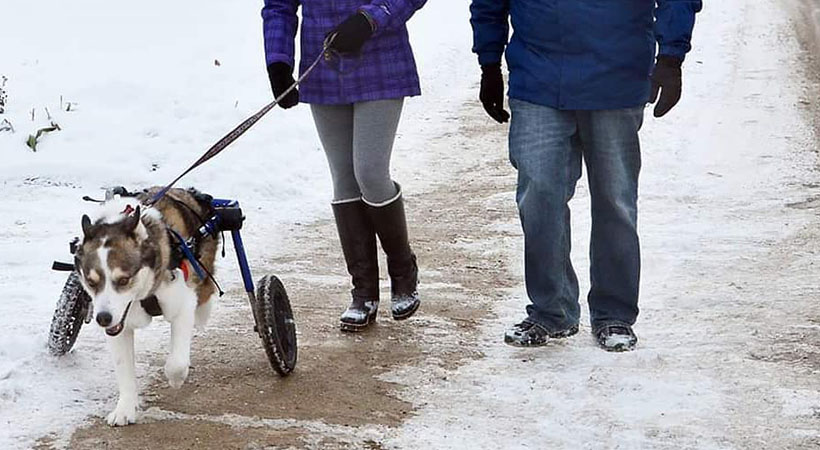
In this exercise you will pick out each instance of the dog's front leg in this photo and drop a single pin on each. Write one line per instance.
(182, 331)
(122, 349)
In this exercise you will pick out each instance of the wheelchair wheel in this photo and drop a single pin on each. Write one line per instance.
(276, 326)
(69, 316)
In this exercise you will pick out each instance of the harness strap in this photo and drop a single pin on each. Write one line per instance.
(189, 255)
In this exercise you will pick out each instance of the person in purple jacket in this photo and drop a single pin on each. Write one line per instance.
(356, 96)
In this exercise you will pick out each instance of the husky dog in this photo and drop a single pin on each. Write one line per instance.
(127, 255)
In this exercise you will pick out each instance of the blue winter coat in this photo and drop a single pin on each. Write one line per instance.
(582, 54)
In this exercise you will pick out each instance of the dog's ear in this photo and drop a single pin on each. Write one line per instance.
(87, 227)
(132, 221)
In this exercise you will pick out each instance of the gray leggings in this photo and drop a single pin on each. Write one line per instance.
(358, 140)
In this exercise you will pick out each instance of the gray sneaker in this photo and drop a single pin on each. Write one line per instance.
(529, 334)
(616, 338)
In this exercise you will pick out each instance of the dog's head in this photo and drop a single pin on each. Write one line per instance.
(115, 266)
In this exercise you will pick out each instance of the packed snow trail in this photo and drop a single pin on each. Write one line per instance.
(729, 355)
(139, 92)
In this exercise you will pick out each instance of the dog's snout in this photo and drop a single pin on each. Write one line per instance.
(104, 318)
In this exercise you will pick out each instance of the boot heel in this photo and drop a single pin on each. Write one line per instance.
(359, 317)
(405, 307)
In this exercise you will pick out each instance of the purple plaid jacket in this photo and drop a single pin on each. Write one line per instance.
(384, 69)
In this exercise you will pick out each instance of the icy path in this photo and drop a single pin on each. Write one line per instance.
(729, 328)
(729, 332)
(155, 84)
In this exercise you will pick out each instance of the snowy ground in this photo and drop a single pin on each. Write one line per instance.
(727, 219)
(147, 99)
(728, 254)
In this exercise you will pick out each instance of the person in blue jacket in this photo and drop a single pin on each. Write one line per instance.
(581, 73)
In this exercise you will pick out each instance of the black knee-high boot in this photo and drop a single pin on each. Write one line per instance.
(390, 224)
(358, 238)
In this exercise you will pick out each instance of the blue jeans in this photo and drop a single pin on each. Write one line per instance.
(547, 147)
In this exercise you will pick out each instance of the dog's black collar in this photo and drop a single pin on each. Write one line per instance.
(151, 306)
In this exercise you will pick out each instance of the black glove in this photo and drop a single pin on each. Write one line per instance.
(351, 34)
(492, 92)
(281, 78)
(666, 81)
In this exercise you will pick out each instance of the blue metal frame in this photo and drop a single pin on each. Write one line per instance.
(211, 227)
(243, 261)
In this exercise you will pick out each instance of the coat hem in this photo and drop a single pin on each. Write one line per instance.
(365, 97)
(579, 106)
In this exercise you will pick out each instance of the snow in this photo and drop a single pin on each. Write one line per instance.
(148, 98)
(718, 174)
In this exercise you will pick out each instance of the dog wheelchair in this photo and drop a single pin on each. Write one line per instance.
(269, 302)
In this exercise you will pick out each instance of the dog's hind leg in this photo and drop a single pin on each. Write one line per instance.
(178, 303)
(122, 350)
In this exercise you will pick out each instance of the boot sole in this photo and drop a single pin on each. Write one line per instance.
(356, 327)
(408, 314)
(350, 328)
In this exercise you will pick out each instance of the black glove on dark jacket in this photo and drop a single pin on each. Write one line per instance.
(351, 34)
(281, 78)
(666, 84)
(492, 92)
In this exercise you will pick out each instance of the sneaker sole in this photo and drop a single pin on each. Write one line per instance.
(518, 344)
(621, 348)
(560, 335)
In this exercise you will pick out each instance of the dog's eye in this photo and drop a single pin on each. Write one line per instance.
(91, 283)
(123, 281)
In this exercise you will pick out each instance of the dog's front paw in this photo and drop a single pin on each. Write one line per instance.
(125, 413)
(176, 371)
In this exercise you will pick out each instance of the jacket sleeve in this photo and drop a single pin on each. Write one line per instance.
(391, 14)
(491, 29)
(674, 21)
(279, 22)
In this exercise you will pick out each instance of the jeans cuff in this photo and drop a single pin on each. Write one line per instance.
(552, 328)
